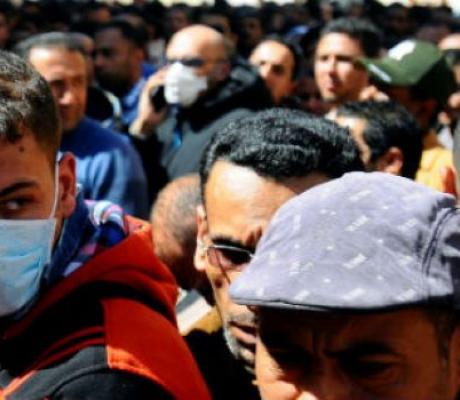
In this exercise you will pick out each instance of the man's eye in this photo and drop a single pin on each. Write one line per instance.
(13, 205)
(78, 82)
(345, 59)
(364, 369)
(290, 357)
(278, 70)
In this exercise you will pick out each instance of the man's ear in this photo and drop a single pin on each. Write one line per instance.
(67, 186)
(202, 233)
(392, 161)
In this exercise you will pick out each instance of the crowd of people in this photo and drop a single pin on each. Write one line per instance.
(229, 203)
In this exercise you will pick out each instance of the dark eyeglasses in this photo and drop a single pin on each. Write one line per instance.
(228, 258)
(194, 62)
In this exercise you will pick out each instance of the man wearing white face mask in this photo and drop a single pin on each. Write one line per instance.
(86, 309)
(200, 90)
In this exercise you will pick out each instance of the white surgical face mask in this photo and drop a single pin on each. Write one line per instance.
(25, 250)
(182, 86)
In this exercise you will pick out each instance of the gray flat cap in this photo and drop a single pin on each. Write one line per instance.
(366, 241)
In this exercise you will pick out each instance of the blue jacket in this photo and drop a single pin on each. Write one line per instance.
(108, 167)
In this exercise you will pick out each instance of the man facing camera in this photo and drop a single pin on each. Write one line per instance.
(278, 65)
(108, 167)
(356, 287)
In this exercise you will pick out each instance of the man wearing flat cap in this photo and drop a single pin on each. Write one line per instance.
(417, 75)
(356, 283)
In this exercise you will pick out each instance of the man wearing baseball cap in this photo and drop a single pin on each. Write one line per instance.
(356, 283)
(416, 74)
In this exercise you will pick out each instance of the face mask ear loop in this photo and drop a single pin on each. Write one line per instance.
(56, 189)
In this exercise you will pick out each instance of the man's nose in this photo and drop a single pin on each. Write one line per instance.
(68, 97)
(331, 65)
(98, 60)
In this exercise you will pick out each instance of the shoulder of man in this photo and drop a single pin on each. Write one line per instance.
(113, 315)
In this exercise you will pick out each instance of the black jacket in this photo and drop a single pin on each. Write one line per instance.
(242, 93)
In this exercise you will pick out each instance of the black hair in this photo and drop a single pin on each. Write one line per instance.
(49, 40)
(130, 32)
(362, 30)
(27, 105)
(283, 143)
(388, 124)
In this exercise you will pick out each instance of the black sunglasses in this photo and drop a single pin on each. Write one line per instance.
(228, 258)
(194, 62)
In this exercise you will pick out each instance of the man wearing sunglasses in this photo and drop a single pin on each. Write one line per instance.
(250, 169)
(200, 90)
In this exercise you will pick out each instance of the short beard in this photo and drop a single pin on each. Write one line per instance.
(232, 344)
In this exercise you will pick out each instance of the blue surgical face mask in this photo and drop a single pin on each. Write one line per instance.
(25, 250)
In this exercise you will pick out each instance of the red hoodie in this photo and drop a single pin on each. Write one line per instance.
(121, 301)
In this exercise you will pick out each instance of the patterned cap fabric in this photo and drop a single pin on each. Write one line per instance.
(366, 241)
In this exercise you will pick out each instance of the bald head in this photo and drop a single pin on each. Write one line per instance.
(450, 42)
(175, 228)
(204, 43)
(200, 39)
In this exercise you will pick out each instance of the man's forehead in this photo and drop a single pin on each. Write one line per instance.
(110, 38)
(23, 157)
(185, 47)
(57, 60)
(240, 203)
(341, 43)
(274, 53)
(345, 328)
(198, 41)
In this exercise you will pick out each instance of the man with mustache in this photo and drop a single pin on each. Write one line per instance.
(249, 169)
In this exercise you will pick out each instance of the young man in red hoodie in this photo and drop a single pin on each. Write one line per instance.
(86, 309)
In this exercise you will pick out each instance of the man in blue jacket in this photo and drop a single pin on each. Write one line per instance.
(108, 168)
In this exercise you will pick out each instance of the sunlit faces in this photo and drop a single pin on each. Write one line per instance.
(318, 356)
(338, 76)
(275, 63)
(66, 73)
(239, 205)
